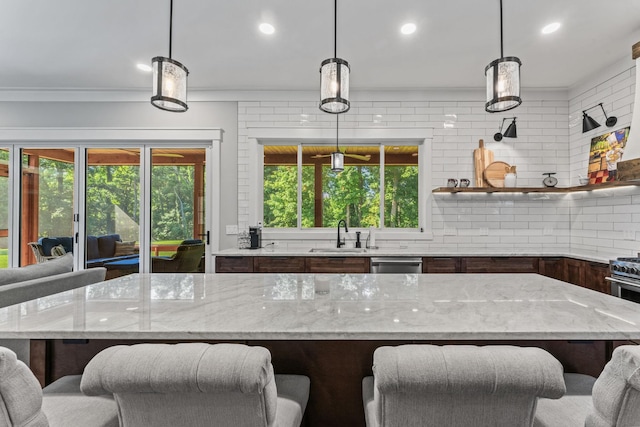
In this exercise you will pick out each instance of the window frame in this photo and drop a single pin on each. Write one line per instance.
(259, 137)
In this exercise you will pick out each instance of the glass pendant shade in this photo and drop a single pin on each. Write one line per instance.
(503, 84)
(334, 86)
(169, 84)
(337, 161)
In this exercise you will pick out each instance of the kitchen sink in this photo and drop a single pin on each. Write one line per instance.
(339, 250)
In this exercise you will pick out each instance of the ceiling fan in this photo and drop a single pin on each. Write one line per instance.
(365, 157)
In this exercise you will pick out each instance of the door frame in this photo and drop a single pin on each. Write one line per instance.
(83, 138)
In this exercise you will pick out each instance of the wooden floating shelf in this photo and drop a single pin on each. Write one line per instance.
(588, 187)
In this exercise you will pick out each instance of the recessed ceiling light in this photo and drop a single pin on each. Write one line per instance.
(551, 28)
(144, 67)
(267, 28)
(408, 28)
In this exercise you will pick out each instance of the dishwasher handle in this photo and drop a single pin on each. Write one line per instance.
(399, 260)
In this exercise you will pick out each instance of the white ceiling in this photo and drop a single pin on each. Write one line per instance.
(93, 44)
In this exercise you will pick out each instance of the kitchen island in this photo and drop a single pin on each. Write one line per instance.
(325, 326)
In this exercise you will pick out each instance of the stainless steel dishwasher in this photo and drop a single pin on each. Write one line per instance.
(396, 264)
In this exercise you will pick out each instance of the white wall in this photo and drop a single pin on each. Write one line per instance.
(607, 222)
(471, 223)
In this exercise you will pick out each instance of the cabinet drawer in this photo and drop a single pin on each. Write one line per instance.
(337, 265)
(234, 264)
(500, 265)
(441, 265)
(278, 264)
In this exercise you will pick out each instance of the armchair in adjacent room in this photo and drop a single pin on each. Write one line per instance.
(185, 260)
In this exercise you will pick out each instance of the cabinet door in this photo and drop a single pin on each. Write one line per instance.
(594, 274)
(555, 268)
(278, 264)
(499, 265)
(575, 271)
(337, 265)
(234, 264)
(440, 265)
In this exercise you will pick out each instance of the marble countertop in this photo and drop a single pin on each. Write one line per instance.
(351, 252)
(326, 306)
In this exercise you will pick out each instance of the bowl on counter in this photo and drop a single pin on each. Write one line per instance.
(583, 181)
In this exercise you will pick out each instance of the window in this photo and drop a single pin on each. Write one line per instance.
(325, 197)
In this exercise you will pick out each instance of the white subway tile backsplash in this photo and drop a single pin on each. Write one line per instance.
(549, 140)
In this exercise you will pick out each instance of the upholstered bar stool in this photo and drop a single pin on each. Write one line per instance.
(428, 385)
(196, 384)
(613, 400)
(22, 402)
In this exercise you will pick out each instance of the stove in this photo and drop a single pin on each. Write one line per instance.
(625, 278)
(625, 267)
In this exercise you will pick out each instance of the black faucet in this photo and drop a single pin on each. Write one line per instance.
(346, 230)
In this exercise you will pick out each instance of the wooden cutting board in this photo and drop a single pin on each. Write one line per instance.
(494, 173)
(482, 157)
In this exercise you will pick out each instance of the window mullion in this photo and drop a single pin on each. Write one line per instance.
(381, 186)
(299, 186)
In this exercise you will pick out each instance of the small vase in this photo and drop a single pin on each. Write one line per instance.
(510, 180)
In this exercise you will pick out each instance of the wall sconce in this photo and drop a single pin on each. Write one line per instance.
(589, 124)
(511, 131)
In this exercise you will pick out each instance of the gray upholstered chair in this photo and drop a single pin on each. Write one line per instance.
(428, 385)
(611, 400)
(23, 403)
(196, 384)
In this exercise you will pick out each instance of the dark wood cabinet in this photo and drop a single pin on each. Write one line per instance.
(337, 265)
(575, 271)
(499, 265)
(441, 265)
(234, 264)
(554, 267)
(278, 264)
(594, 276)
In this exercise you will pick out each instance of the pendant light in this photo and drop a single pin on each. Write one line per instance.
(337, 157)
(334, 77)
(511, 132)
(169, 79)
(503, 80)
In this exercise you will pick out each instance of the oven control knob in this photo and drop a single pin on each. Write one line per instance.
(615, 267)
(633, 270)
(624, 268)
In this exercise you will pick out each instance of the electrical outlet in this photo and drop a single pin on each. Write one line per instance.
(231, 229)
(448, 231)
(629, 235)
(484, 231)
(547, 231)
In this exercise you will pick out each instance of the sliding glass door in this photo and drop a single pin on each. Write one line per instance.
(4, 207)
(178, 232)
(47, 202)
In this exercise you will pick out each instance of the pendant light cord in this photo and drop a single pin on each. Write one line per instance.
(337, 147)
(171, 27)
(335, 28)
(501, 47)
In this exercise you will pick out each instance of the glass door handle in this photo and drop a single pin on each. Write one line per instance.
(205, 235)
